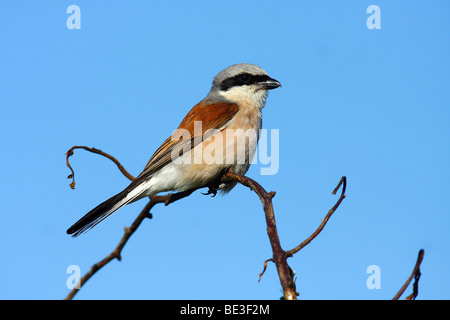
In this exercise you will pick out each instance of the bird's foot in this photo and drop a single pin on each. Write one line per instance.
(211, 190)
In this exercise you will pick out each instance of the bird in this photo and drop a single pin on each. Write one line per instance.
(200, 150)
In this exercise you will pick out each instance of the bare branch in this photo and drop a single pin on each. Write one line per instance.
(279, 255)
(116, 253)
(416, 274)
(342, 182)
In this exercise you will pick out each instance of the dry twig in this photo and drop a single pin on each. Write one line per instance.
(416, 275)
(97, 151)
(342, 182)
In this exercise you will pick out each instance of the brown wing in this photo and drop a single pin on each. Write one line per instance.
(212, 116)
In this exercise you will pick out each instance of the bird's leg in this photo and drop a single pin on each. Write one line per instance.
(216, 184)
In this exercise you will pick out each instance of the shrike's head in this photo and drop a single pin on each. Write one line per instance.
(243, 83)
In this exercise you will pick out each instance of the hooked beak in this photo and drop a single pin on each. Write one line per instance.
(269, 84)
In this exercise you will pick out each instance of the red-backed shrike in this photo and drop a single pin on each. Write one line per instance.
(231, 109)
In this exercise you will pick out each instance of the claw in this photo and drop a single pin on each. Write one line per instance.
(212, 191)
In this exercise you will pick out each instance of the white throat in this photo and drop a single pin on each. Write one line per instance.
(249, 95)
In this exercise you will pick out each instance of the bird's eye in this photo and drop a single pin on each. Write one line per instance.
(245, 78)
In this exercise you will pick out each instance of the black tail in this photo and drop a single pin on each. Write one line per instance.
(107, 208)
(97, 215)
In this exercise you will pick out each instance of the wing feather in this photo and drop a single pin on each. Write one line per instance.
(212, 116)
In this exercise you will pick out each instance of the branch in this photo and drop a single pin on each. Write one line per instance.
(279, 255)
(116, 253)
(342, 182)
(416, 274)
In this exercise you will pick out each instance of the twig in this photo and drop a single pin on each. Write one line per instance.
(416, 274)
(264, 269)
(342, 182)
(97, 151)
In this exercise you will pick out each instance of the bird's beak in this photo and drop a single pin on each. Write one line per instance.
(269, 84)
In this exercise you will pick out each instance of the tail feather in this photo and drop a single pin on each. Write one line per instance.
(105, 209)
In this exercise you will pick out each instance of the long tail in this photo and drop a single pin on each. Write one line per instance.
(132, 193)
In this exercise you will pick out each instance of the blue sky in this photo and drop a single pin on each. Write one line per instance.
(372, 105)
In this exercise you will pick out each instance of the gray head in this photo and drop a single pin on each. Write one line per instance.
(243, 74)
(243, 82)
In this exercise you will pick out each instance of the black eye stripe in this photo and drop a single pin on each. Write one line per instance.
(242, 79)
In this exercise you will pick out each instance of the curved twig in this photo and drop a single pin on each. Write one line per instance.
(416, 274)
(97, 151)
(264, 269)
